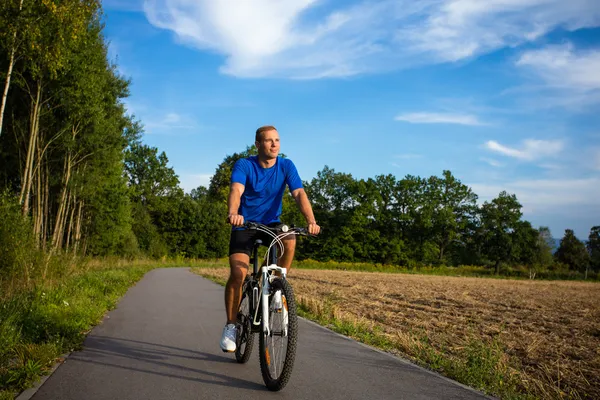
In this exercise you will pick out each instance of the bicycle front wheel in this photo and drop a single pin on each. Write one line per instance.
(245, 337)
(278, 347)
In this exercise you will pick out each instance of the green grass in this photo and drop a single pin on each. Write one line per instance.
(39, 325)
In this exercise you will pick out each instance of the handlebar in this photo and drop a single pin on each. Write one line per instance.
(278, 229)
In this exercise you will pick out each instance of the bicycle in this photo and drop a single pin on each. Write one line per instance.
(268, 307)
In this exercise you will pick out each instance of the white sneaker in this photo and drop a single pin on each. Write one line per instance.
(228, 338)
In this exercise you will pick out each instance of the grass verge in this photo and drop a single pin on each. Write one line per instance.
(42, 319)
(42, 323)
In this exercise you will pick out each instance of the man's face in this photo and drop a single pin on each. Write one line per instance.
(268, 146)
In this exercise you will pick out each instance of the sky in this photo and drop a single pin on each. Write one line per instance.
(503, 93)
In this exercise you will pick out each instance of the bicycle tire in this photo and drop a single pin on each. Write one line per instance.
(276, 378)
(245, 337)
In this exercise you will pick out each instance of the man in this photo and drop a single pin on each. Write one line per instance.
(256, 195)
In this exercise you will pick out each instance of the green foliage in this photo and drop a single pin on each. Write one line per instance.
(572, 252)
(593, 247)
(219, 182)
(16, 239)
(499, 222)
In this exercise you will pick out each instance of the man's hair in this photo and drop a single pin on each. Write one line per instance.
(262, 129)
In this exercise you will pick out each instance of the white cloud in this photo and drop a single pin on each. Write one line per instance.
(529, 151)
(570, 78)
(492, 162)
(595, 158)
(457, 29)
(312, 39)
(558, 203)
(172, 118)
(563, 67)
(168, 122)
(439, 118)
(544, 194)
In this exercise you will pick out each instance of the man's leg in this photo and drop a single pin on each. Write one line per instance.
(238, 268)
(289, 245)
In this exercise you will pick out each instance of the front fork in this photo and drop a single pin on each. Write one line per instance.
(264, 298)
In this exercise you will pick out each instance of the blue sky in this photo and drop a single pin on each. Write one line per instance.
(503, 93)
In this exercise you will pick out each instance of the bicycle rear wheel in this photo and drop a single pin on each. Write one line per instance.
(245, 337)
(278, 348)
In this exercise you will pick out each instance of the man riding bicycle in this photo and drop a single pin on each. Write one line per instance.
(256, 195)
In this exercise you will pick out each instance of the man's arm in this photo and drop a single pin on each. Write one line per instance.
(233, 204)
(306, 210)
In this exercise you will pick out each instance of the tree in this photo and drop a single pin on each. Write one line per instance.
(12, 21)
(572, 252)
(499, 220)
(453, 205)
(148, 173)
(219, 182)
(593, 247)
(542, 258)
(525, 246)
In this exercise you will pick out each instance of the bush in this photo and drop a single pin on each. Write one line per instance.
(16, 240)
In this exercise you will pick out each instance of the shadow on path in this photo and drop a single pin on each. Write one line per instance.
(108, 351)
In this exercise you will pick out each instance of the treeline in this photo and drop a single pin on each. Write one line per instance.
(418, 221)
(77, 180)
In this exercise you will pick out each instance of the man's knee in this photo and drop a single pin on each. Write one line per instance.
(289, 243)
(238, 267)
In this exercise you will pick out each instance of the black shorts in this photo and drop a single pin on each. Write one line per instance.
(242, 240)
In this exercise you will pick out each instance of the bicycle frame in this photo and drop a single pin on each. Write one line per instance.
(261, 302)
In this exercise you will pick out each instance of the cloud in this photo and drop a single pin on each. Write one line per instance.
(169, 122)
(569, 78)
(530, 150)
(563, 203)
(439, 118)
(492, 162)
(313, 39)
(595, 158)
(563, 67)
(543, 193)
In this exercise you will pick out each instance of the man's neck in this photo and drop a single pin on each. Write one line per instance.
(266, 162)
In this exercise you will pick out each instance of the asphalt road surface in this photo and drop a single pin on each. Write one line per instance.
(162, 342)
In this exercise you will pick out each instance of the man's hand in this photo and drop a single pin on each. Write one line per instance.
(313, 228)
(235, 219)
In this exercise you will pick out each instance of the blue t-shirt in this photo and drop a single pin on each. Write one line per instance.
(262, 199)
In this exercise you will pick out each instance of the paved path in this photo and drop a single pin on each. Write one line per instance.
(162, 342)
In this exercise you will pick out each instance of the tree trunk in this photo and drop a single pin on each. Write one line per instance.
(63, 222)
(587, 268)
(11, 64)
(46, 207)
(71, 218)
(34, 131)
(77, 238)
(62, 208)
(39, 212)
